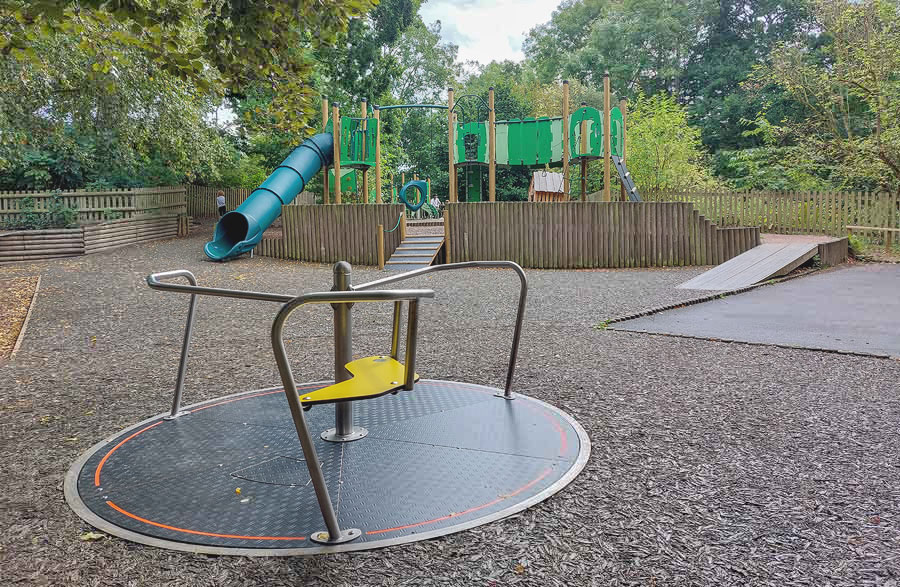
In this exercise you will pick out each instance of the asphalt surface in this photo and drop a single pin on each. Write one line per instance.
(853, 309)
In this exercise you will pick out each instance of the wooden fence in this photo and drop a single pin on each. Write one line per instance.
(590, 234)
(33, 245)
(334, 232)
(791, 212)
(201, 200)
(101, 206)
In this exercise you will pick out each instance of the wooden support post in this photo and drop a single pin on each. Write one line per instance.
(584, 148)
(403, 227)
(452, 167)
(393, 193)
(325, 171)
(379, 240)
(365, 155)
(378, 156)
(492, 148)
(607, 144)
(565, 123)
(623, 107)
(336, 132)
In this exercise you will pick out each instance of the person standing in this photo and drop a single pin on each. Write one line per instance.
(436, 204)
(220, 202)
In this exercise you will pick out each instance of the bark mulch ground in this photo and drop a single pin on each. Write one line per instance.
(713, 463)
(15, 299)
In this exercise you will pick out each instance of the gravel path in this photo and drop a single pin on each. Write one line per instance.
(713, 463)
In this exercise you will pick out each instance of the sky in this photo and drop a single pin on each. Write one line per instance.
(488, 30)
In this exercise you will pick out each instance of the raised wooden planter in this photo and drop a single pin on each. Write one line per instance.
(28, 245)
(33, 245)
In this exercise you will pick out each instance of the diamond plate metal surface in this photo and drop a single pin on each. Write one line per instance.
(444, 454)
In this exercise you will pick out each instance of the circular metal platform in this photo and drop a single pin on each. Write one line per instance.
(229, 477)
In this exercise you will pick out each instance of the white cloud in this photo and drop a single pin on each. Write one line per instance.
(487, 30)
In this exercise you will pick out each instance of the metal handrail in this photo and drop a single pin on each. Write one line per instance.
(520, 313)
(290, 385)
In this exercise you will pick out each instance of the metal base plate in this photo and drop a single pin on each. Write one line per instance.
(229, 477)
(347, 535)
(357, 432)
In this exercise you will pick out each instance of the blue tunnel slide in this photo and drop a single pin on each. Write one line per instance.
(240, 230)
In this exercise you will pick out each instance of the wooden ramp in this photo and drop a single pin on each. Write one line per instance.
(415, 252)
(758, 264)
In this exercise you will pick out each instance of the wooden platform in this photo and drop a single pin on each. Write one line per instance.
(758, 264)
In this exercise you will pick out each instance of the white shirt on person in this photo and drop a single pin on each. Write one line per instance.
(220, 201)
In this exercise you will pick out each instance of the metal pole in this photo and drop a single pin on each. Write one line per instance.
(333, 534)
(412, 332)
(344, 430)
(185, 344)
(395, 332)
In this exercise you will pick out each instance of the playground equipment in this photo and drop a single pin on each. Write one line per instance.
(227, 476)
(240, 230)
(474, 145)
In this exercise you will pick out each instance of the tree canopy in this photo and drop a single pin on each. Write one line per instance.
(770, 94)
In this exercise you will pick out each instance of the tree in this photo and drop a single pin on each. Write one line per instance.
(91, 109)
(848, 90)
(211, 44)
(663, 150)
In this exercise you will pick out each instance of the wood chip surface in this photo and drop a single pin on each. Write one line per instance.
(15, 299)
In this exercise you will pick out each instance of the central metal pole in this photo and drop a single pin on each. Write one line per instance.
(344, 430)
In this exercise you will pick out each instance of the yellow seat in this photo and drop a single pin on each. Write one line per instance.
(372, 377)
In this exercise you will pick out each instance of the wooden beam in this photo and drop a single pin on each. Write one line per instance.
(452, 166)
(325, 171)
(336, 132)
(378, 156)
(607, 145)
(623, 107)
(492, 148)
(365, 172)
(565, 123)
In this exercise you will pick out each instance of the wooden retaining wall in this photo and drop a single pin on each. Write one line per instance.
(334, 232)
(120, 233)
(33, 245)
(572, 235)
(834, 252)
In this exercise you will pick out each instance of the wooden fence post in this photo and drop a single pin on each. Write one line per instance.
(379, 241)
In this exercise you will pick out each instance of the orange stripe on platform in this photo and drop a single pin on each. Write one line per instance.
(115, 448)
(198, 532)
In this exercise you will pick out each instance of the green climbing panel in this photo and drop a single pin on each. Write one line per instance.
(473, 185)
(476, 135)
(591, 120)
(529, 142)
(358, 142)
(617, 139)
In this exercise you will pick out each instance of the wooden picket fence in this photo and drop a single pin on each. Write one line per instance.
(334, 232)
(791, 212)
(201, 199)
(100, 206)
(574, 235)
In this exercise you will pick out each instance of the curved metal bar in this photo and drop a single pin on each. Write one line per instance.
(520, 314)
(290, 386)
(155, 281)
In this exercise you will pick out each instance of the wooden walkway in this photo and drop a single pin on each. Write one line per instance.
(760, 263)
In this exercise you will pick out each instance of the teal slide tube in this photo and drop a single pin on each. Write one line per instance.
(237, 232)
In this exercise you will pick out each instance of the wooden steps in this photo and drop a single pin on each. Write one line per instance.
(415, 252)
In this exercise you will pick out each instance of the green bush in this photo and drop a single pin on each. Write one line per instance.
(57, 215)
(856, 244)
